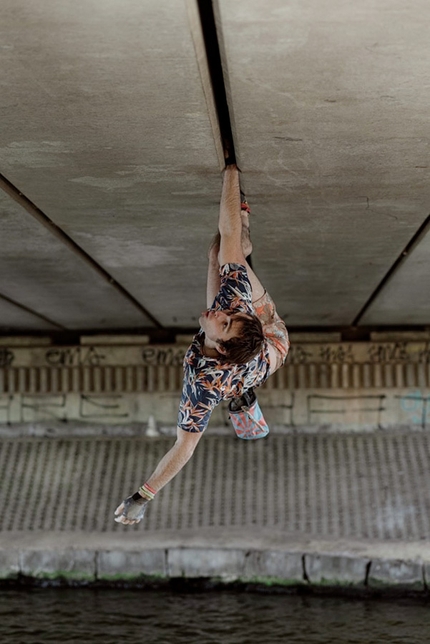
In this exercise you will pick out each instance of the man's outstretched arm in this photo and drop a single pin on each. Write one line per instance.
(171, 463)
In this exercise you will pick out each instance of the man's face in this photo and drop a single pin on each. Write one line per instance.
(221, 325)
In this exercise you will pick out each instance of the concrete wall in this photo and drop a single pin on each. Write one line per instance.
(335, 385)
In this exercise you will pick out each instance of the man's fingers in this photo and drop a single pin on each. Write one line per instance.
(121, 519)
(126, 521)
(128, 512)
(119, 509)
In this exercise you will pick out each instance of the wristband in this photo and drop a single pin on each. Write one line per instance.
(147, 491)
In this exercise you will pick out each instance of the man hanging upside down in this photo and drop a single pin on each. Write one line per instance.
(242, 341)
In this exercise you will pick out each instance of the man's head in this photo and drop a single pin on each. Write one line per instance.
(238, 337)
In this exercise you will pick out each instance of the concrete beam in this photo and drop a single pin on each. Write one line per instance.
(109, 135)
(53, 282)
(330, 116)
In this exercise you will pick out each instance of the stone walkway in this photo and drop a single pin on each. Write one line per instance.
(297, 509)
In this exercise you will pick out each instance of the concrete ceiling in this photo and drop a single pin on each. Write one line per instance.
(108, 131)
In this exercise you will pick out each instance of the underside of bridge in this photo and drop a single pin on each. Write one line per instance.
(116, 117)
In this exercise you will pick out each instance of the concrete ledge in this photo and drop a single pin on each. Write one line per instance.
(222, 564)
(426, 574)
(284, 568)
(129, 565)
(337, 570)
(49, 564)
(400, 574)
(9, 563)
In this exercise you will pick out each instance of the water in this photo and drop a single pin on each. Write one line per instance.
(123, 616)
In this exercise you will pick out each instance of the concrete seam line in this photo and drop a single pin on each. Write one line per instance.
(43, 219)
(410, 246)
(216, 72)
(305, 574)
(219, 99)
(208, 89)
(167, 568)
(366, 579)
(32, 312)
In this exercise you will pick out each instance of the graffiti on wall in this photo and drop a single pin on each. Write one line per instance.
(30, 408)
(326, 409)
(163, 356)
(102, 406)
(6, 357)
(416, 406)
(5, 409)
(373, 353)
(74, 357)
(39, 408)
(173, 354)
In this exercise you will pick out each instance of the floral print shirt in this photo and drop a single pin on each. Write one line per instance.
(208, 381)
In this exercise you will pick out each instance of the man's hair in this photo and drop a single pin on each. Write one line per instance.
(245, 346)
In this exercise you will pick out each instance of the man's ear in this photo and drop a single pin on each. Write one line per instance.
(220, 349)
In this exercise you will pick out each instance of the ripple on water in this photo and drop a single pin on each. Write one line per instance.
(113, 616)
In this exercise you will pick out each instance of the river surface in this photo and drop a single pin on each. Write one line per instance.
(124, 616)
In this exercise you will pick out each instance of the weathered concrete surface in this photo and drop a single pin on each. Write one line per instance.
(396, 573)
(106, 129)
(15, 318)
(365, 486)
(276, 566)
(47, 277)
(330, 108)
(10, 564)
(189, 562)
(332, 385)
(308, 510)
(112, 564)
(327, 569)
(409, 287)
(74, 563)
(228, 558)
(306, 410)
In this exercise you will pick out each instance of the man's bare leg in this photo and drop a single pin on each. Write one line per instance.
(213, 254)
(227, 249)
(265, 309)
(229, 222)
(213, 279)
